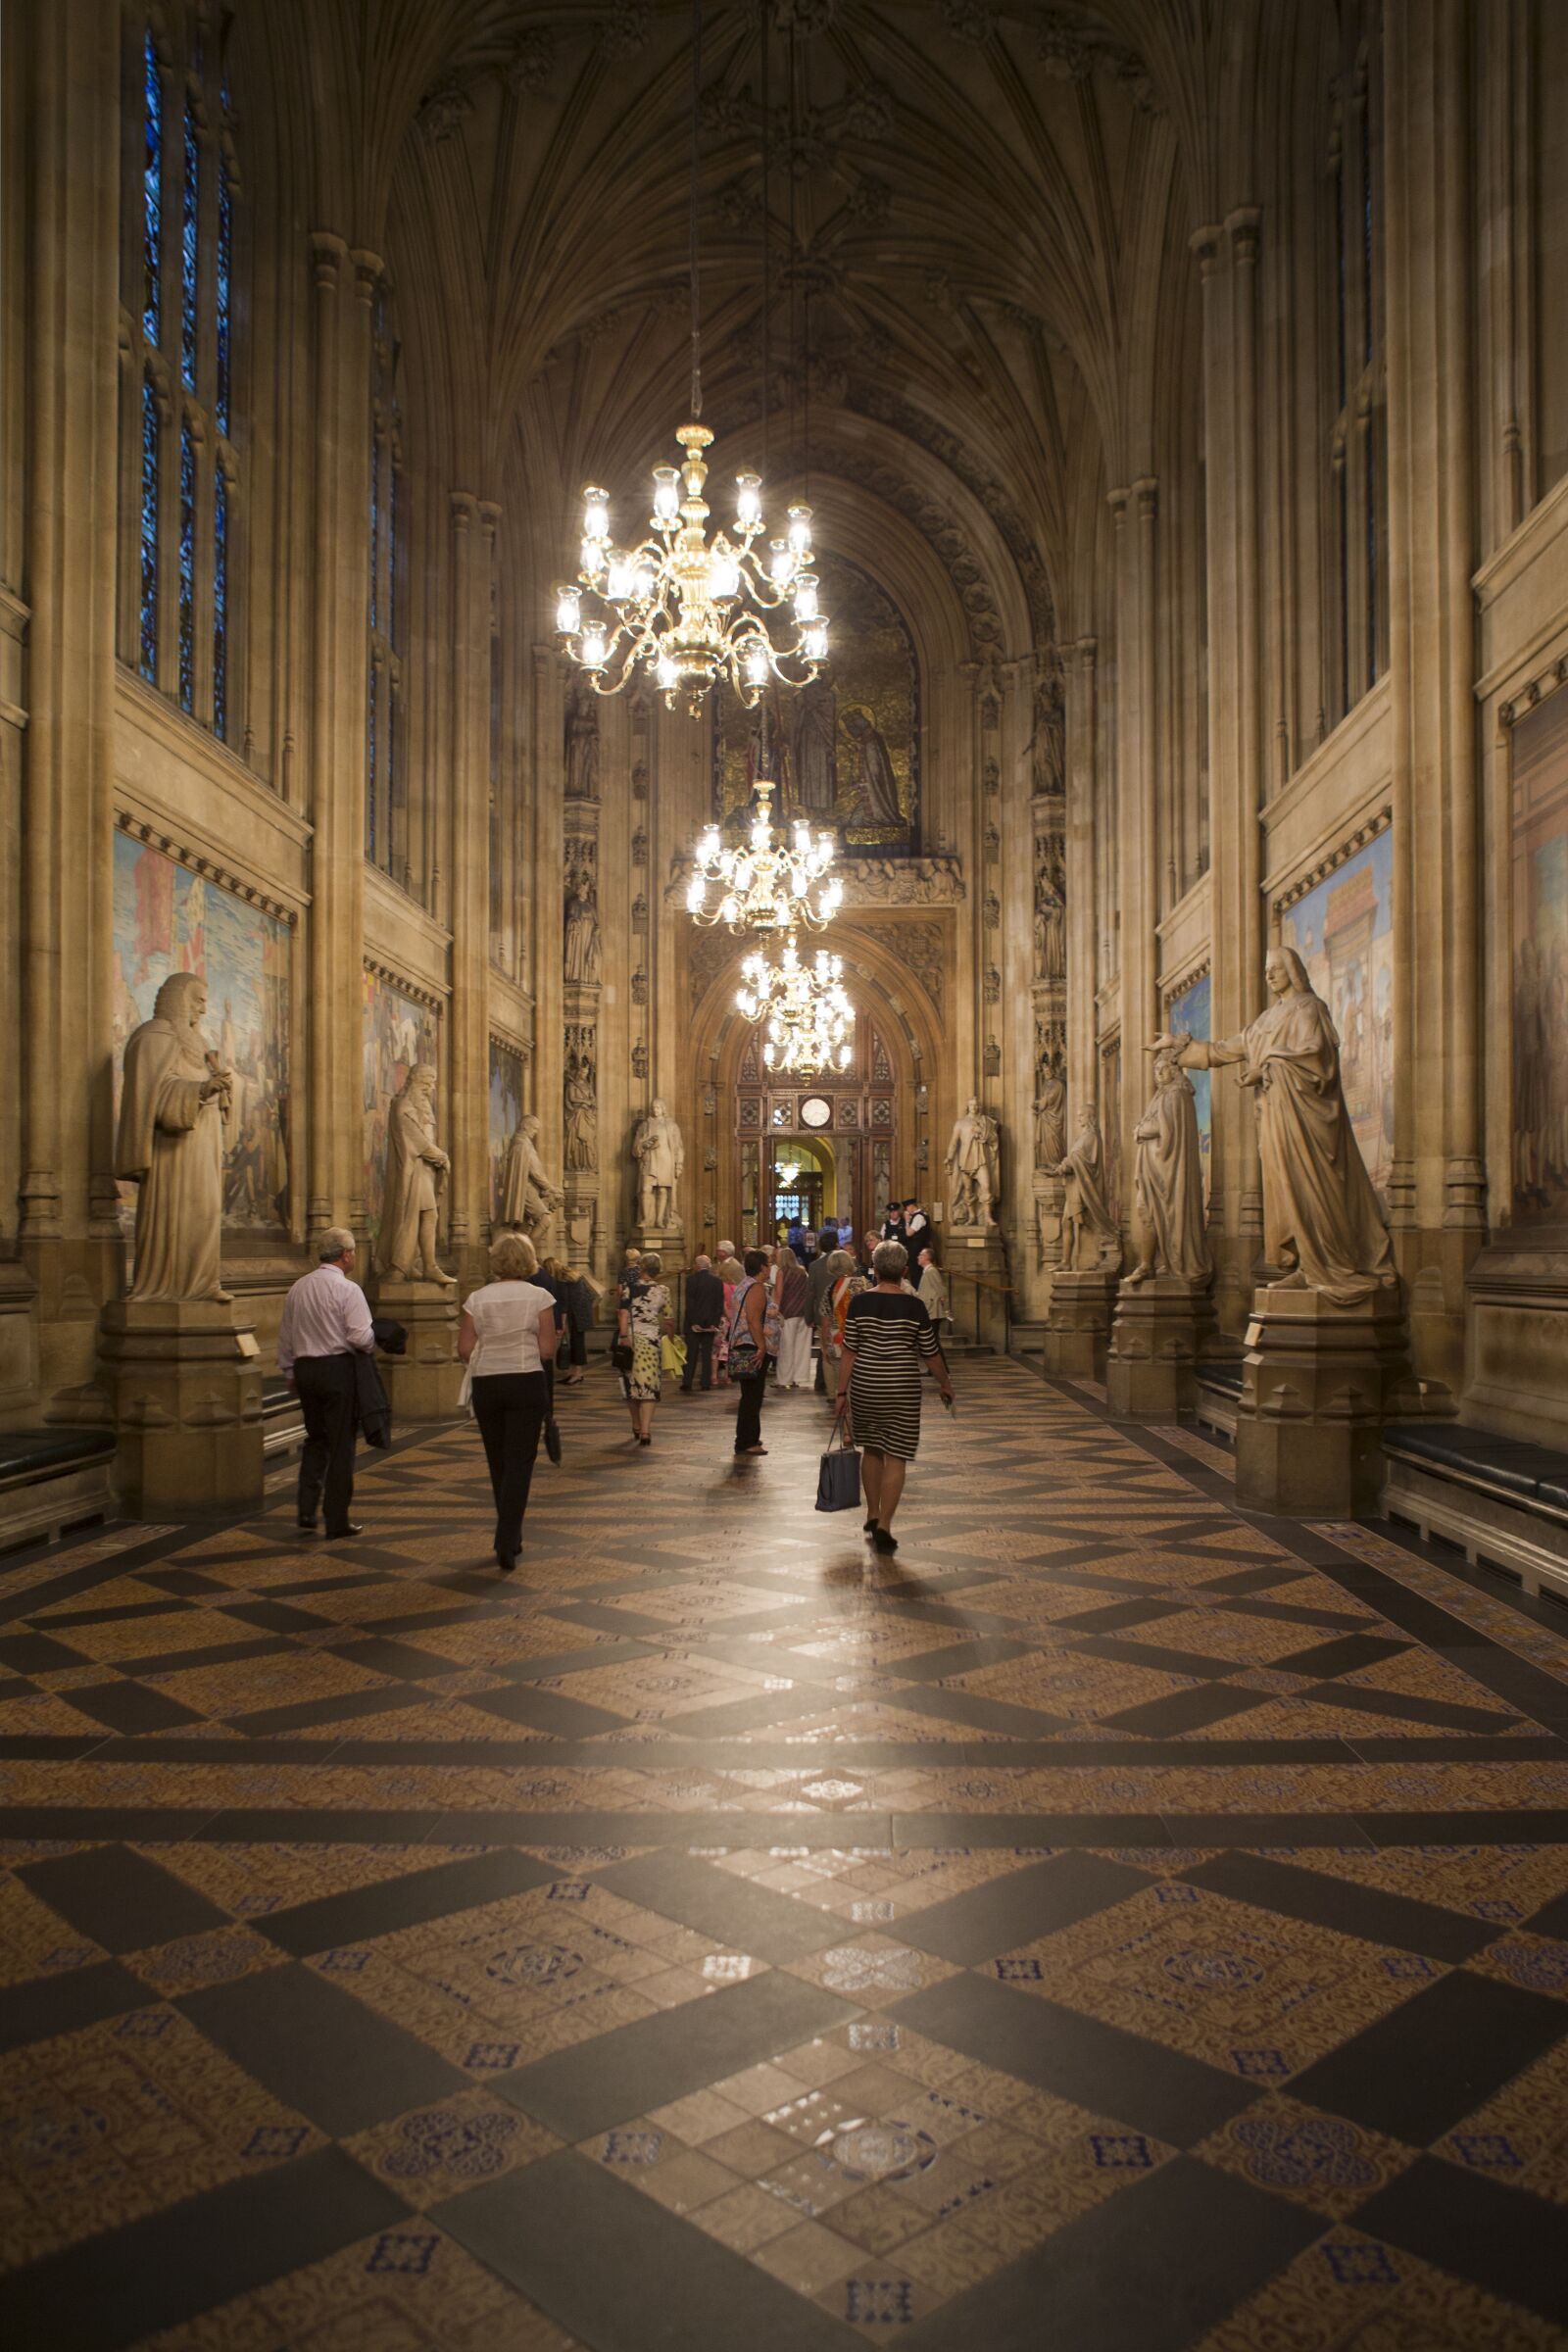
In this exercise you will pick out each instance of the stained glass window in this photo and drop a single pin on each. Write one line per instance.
(189, 218)
(220, 602)
(187, 569)
(148, 641)
(152, 178)
(225, 294)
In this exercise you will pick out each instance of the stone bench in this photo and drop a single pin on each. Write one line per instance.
(1219, 1395)
(1502, 1502)
(52, 1482)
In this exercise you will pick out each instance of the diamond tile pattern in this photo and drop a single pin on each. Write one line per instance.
(1110, 1912)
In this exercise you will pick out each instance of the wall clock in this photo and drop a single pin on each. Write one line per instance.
(816, 1112)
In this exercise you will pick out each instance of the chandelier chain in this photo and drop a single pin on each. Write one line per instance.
(696, 272)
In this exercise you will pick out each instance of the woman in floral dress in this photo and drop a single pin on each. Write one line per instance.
(643, 1321)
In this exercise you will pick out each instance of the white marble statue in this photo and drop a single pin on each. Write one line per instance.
(1321, 1220)
(416, 1168)
(974, 1163)
(659, 1151)
(528, 1199)
(170, 1146)
(1089, 1235)
(1169, 1232)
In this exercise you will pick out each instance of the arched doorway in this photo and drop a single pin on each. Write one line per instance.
(850, 1135)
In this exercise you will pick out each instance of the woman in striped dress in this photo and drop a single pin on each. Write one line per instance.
(887, 1333)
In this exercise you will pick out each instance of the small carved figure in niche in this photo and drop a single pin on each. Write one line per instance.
(581, 1107)
(1051, 932)
(1168, 1228)
(582, 744)
(415, 1170)
(973, 1165)
(638, 1059)
(1047, 746)
(639, 848)
(528, 1199)
(580, 947)
(991, 910)
(1051, 1115)
(639, 781)
(993, 985)
(639, 988)
(659, 1151)
(1321, 1220)
(1089, 1237)
(639, 913)
(170, 1146)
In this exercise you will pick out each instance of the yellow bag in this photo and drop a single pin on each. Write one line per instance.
(672, 1354)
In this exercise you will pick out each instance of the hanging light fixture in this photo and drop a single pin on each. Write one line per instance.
(803, 1008)
(773, 881)
(688, 614)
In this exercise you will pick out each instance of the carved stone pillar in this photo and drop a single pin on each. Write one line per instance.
(345, 285)
(67, 1217)
(1228, 262)
(1136, 511)
(1438, 1190)
(467, 1075)
(579, 881)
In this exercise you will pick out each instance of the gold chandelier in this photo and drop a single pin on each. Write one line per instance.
(804, 1010)
(686, 612)
(772, 882)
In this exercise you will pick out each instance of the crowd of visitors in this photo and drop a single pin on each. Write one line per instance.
(875, 1314)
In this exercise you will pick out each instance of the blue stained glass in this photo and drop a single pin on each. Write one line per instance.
(152, 176)
(190, 212)
(225, 294)
(369, 768)
(149, 531)
(219, 603)
(187, 569)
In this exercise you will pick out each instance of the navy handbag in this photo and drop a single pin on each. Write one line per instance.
(838, 1477)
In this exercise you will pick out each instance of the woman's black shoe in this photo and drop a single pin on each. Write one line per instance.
(506, 1562)
(885, 1541)
(552, 1439)
(869, 1527)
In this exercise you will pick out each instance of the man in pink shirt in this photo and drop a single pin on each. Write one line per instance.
(325, 1324)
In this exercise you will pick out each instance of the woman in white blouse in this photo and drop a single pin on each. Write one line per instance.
(507, 1338)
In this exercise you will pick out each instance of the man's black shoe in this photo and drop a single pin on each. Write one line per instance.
(355, 1527)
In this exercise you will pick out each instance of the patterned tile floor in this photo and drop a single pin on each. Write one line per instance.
(1114, 1922)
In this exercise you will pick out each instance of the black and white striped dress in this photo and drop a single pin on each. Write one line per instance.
(888, 1333)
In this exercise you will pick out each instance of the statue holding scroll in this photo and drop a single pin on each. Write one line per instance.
(1169, 1232)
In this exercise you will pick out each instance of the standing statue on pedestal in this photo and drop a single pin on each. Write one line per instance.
(1051, 1117)
(583, 745)
(1169, 1233)
(1089, 1235)
(415, 1166)
(580, 942)
(1321, 1220)
(659, 1151)
(528, 1199)
(973, 1165)
(170, 1146)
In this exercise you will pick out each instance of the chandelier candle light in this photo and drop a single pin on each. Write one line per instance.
(804, 1010)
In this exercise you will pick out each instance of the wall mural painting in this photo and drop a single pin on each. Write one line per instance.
(167, 919)
(844, 750)
(1540, 763)
(1344, 933)
(1189, 1015)
(506, 1113)
(399, 1031)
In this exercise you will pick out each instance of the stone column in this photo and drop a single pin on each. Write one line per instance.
(1228, 261)
(69, 1228)
(466, 1080)
(1082, 750)
(1438, 1193)
(345, 286)
(1136, 511)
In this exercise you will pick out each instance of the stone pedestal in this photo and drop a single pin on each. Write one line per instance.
(669, 1244)
(1316, 1384)
(1159, 1332)
(424, 1384)
(1078, 1327)
(184, 1378)
(980, 1252)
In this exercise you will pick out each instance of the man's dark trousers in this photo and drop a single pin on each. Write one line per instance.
(699, 1350)
(324, 1385)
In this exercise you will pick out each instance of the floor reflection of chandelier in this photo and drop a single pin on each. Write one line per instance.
(772, 881)
(805, 1011)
